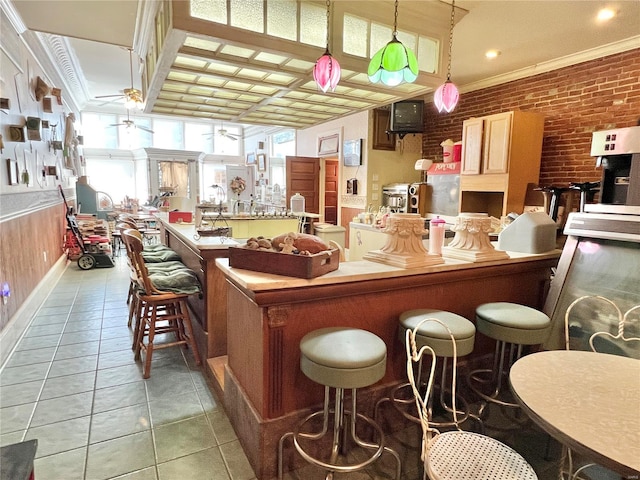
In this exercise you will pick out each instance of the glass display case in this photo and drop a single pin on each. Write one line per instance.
(601, 256)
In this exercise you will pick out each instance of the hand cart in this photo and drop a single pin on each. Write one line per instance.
(88, 259)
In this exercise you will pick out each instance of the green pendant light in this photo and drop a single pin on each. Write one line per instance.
(394, 63)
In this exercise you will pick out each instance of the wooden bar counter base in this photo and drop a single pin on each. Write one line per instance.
(266, 394)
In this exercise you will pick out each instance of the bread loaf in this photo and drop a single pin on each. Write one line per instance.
(303, 242)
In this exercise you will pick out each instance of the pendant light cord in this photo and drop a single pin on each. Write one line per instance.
(328, 21)
(395, 20)
(453, 12)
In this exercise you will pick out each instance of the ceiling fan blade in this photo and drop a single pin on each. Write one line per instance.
(230, 137)
(145, 129)
(109, 96)
(116, 124)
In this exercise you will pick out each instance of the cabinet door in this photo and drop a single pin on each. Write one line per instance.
(497, 137)
(471, 146)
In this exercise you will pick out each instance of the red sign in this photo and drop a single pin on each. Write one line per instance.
(442, 168)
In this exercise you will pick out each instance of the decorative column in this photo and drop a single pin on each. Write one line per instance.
(404, 246)
(471, 241)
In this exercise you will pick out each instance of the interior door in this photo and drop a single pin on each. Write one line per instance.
(331, 169)
(303, 177)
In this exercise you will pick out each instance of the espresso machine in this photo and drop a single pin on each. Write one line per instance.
(618, 153)
(396, 197)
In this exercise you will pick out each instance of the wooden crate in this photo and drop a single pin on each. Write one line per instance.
(302, 266)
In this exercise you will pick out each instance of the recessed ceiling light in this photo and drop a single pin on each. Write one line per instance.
(491, 54)
(606, 14)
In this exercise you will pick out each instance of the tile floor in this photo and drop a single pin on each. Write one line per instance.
(72, 383)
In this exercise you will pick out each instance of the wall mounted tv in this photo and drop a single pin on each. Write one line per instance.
(407, 117)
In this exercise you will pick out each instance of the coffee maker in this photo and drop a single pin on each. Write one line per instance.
(396, 197)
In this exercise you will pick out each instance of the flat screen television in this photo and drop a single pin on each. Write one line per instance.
(407, 117)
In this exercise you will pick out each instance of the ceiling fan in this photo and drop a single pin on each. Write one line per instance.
(223, 132)
(128, 123)
(132, 96)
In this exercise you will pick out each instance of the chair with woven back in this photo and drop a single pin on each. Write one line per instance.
(602, 341)
(161, 304)
(456, 454)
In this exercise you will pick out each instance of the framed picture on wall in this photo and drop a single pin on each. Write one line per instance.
(352, 152)
(328, 145)
(12, 171)
(251, 159)
(262, 162)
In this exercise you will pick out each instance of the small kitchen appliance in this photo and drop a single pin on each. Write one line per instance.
(396, 197)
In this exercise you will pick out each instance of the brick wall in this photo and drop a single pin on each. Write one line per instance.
(576, 101)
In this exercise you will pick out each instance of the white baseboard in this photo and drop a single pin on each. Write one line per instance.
(15, 328)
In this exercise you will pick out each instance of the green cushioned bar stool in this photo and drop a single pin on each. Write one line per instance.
(340, 358)
(512, 326)
(437, 337)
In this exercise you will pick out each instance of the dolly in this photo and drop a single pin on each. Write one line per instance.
(88, 259)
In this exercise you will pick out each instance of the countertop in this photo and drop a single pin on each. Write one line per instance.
(362, 270)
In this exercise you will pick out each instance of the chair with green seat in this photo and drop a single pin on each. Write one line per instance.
(512, 326)
(438, 338)
(162, 306)
(340, 358)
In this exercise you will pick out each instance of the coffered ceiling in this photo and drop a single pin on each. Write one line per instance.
(192, 67)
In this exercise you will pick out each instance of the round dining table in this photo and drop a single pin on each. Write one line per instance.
(589, 402)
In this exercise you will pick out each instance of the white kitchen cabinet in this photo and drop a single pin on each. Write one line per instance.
(500, 157)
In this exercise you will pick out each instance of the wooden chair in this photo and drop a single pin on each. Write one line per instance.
(456, 454)
(603, 342)
(160, 311)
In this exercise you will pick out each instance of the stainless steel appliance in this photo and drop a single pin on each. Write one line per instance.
(396, 197)
(618, 152)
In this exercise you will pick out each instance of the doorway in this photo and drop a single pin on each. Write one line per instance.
(331, 189)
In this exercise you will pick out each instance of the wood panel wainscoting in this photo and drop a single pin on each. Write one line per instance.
(31, 247)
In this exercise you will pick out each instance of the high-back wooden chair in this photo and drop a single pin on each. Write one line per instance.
(456, 454)
(162, 311)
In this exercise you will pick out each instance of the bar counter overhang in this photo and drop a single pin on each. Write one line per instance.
(266, 394)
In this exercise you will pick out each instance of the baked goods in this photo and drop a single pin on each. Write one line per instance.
(303, 242)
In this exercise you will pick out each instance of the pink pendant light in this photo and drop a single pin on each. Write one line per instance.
(447, 96)
(326, 71)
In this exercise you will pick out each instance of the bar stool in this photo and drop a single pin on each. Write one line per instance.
(434, 335)
(340, 358)
(509, 324)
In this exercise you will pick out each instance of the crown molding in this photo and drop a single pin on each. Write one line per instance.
(555, 64)
(13, 16)
(66, 64)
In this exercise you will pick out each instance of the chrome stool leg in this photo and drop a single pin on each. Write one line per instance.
(340, 434)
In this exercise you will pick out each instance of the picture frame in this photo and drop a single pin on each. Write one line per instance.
(16, 133)
(251, 159)
(47, 106)
(262, 162)
(4, 104)
(12, 172)
(352, 153)
(329, 145)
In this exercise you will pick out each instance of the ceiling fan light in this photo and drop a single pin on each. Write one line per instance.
(446, 97)
(326, 72)
(393, 64)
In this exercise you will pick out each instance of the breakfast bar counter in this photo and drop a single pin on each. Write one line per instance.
(265, 393)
